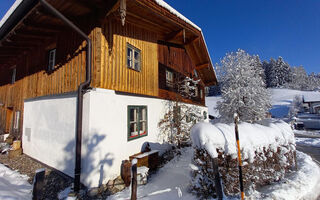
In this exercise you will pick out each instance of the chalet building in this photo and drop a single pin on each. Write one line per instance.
(311, 102)
(91, 108)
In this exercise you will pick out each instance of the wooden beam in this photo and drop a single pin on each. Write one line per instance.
(86, 5)
(167, 15)
(23, 43)
(44, 27)
(202, 66)
(173, 35)
(161, 26)
(193, 40)
(210, 83)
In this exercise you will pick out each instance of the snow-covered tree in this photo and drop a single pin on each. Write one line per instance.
(280, 73)
(313, 81)
(296, 106)
(243, 88)
(299, 79)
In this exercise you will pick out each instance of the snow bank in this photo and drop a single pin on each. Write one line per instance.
(303, 184)
(270, 133)
(315, 142)
(13, 186)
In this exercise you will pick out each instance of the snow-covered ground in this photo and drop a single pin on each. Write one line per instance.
(303, 184)
(13, 185)
(281, 100)
(314, 142)
(172, 182)
(307, 132)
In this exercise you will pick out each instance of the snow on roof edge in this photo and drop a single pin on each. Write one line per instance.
(9, 12)
(175, 12)
(312, 97)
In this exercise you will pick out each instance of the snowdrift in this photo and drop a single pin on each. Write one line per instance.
(267, 148)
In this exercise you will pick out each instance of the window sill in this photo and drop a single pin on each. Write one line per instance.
(137, 136)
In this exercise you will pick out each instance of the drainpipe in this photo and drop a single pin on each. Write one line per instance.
(81, 90)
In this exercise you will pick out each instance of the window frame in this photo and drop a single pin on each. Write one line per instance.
(13, 75)
(16, 123)
(169, 83)
(52, 63)
(132, 59)
(138, 121)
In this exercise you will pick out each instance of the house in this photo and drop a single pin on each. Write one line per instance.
(311, 102)
(85, 83)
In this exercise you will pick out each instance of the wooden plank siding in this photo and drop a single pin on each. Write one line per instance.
(114, 72)
(179, 62)
(34, 80)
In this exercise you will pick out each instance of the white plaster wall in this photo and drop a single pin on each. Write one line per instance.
(49, 131)
(105, 142)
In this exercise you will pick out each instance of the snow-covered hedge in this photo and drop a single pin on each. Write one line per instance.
(267, 149)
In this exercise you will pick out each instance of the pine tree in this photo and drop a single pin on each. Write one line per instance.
(243, 88)
(299, 79)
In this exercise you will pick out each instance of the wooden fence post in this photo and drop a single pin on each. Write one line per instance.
(217, 180)
(134, 180)
(38, 183)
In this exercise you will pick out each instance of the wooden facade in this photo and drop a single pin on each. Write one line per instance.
(163, 38)
(115, 74)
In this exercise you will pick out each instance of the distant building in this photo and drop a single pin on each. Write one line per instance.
(311, 102)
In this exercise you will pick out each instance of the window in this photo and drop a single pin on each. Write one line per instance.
(16, 120)
(195, 73)
(51, 59)
(137, 122)
(205, 115)
(169, 78)
(201, 94)
(133, 57)
(196, 92)
(13, 77)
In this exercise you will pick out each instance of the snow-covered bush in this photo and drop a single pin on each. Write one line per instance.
(243, 87)
(179, 117)
(296, 106)
(267, 149)
(177, 121)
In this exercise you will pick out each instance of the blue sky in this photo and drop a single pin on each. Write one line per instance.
(269, 28)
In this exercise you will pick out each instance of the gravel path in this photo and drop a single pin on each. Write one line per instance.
(54, 181)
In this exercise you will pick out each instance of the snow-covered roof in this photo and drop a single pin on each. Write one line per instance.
(159, 2)
(311, 97)
(9, 12)
(175, 12)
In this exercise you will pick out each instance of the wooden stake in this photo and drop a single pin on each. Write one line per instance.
(236, 119)
(134, 180)
(38, 183)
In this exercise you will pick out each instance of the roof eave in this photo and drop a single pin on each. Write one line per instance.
(15, 15)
